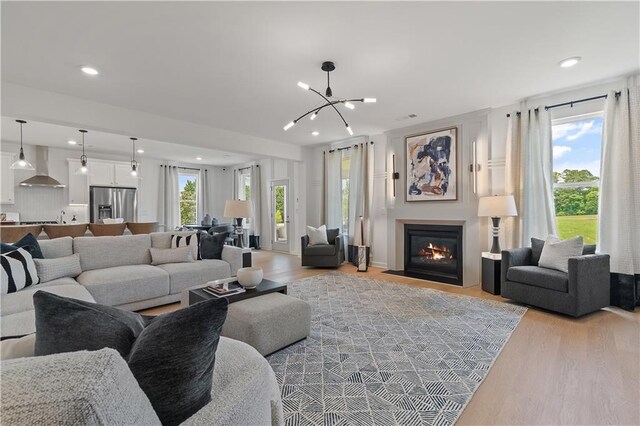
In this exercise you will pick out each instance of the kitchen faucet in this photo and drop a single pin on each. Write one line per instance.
(61, 219)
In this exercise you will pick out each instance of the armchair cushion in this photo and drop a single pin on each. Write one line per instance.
(539, 277)
(332, 234)
(320, 250)
(537, 244)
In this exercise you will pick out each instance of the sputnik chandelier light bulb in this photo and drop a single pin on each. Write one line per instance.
(329, 102)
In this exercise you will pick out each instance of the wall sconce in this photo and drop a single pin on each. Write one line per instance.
(474, 167)
(394, 174)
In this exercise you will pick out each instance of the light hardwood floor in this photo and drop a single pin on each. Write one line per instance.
(554, 370)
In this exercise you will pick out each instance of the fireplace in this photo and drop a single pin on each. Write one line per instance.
(433, 252)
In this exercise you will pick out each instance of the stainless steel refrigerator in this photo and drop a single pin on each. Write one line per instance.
(111, 203)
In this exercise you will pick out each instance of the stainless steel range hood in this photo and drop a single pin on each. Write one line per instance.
(42, 177)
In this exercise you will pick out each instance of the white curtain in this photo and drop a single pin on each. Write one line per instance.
(169, 211)
(333, 189)
(513, 180)
(619, 204)
(538, 210)
(256, 191)
(204, 195)
(360, 174)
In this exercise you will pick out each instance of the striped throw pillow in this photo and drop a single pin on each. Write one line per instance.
(183, 240)
(18, 271)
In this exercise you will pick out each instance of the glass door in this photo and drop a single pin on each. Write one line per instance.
(280, 215)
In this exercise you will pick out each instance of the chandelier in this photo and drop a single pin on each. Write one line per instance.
(329, 100)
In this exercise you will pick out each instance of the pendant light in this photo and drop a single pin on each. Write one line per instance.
(21, 163)
(135, 172)
(83, 169)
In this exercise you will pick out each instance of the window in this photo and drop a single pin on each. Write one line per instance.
(576, 170)
(344, 180)
(187, 187)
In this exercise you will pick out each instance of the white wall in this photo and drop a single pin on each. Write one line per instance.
(46, 203)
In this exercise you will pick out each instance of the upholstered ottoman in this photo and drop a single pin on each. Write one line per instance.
(268, 323)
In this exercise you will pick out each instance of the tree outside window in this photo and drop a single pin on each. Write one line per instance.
(188, 199)
(576, 169)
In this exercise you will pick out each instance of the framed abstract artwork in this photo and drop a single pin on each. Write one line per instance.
(431, 170)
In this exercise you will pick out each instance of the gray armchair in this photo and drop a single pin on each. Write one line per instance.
(583, 290)
(323, 255)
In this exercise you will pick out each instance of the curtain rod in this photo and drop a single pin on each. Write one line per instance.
(346, 147)
(572, 103)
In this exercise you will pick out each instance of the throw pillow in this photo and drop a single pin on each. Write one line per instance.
(317, 235)
(556, 252)
(536, 250)
(18, 347)
(183, 240)
(51, 269)
(171, 255)
(28, 242)
(171, 355)
(332, 234)
(211, 246)
(18, 271)
(589, 249)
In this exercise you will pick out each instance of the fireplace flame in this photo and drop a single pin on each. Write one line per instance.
(435, 252)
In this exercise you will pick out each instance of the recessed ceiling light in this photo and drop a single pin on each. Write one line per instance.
(140, 151)
(315, 133)
(569, 62)
(72, 142)
(198, 158)
(89, 70)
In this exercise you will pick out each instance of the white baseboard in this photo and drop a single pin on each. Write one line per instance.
(379, 265)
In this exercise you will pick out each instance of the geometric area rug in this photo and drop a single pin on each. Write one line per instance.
(383, 353)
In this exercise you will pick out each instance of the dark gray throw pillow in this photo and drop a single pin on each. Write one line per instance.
(589, 249)
(211, 245)
(171, 356)
(536, 250)
(29, 243)
(332, 234)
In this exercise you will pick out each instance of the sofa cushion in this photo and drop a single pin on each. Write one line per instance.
(77, 388)
(184, 275)
(107, 252)
(22, 300)
(539, 277)
(332, 234)
(59, 267)
(19, 347)
(320, 250)
(536, 250)
(171, 355)
(57, 247)
(125, 284)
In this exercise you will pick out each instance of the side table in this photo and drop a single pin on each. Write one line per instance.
(491, 270)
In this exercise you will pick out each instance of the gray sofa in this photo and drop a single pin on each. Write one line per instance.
(116, 271)
(98, 388)
(323, 255)
(583, 290)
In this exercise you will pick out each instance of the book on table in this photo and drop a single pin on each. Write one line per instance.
(223, 289)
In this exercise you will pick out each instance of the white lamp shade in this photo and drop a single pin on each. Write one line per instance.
(497, 206)
(238, 208)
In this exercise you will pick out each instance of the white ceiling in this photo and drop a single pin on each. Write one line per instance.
(38, 133)
(235, 65)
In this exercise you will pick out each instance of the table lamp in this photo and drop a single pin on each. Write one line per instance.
(238, 209)
(495, 207)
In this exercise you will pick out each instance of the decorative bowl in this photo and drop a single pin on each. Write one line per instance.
(250, 277)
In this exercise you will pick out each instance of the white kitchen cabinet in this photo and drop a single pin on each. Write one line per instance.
(7, 183)
(78, 184)
(101, 173)
(123, 176)
(110, 173)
